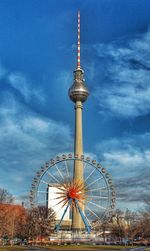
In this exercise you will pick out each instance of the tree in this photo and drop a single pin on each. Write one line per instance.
(104, 227)
(13, 220)
(3, 220)
(5, 196)
(144, 231)
(118, 226)
(147, 206)
(126, 225)
(132, 225)
(40, 222)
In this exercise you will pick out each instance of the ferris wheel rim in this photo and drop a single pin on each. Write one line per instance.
(85, 159)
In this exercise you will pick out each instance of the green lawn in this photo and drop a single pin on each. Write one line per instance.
(14, 248)
(84, 247)
(70, 247)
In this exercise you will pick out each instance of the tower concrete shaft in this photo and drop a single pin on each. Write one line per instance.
(77, 222)
(78, 143)
(78, 93)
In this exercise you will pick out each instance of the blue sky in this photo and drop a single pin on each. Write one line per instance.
(37, 59)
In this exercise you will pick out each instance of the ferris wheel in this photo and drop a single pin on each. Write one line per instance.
(53, 186)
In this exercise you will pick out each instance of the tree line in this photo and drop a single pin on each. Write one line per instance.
(128, 227)
(23, 223)
(18, 221)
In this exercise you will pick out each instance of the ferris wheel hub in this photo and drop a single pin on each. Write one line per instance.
(73, 193)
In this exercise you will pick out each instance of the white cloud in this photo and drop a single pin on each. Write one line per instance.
(126, 74)
(123, 158)
(19, 81)
(36, 124)
(65, 78)
(129, 151)
(127, 158)
(27, 141)
(22, 83)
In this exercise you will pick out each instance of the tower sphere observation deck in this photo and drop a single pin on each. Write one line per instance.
(78, 91)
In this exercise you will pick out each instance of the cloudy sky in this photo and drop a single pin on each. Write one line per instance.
(37, 59)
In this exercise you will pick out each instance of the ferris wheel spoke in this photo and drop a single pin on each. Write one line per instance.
(96, 205)
(54, 199)
(88, 215)
(97, 189)
(41, 191)
(96, 223)
(52, 176)
(60, 209)
(95, 181)
(67, 168)
(87, 219)
(89, 175)
(84, 165)
(61, 202)
(41, 201)
(45, 182)
(95, 196)
(60, 173)
(93, 213)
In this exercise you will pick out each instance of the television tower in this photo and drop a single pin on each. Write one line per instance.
(78, 93)
(90, 196)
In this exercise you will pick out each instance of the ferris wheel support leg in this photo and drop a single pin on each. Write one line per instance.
(57, 227)
(87, 226)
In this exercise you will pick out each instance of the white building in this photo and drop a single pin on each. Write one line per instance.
(55, 204)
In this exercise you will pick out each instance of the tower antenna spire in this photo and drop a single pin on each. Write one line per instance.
(78, 50)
